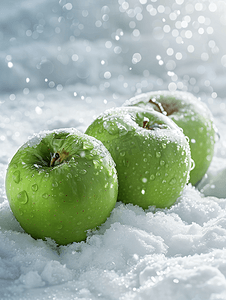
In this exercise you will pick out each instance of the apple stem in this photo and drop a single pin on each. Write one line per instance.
(54, 158)
(159, 105)
(153, 126)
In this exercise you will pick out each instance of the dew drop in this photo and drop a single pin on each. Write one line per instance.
(192, 165)
(142, 192)
(122, 153)
(60, 226)
(22, 197)
(83, 172)
(34, 187)
(144, 180)
(96, 163)
(164, 146)
(173, 181)
(47, 175)
(158, 154)
(111, 128)
(115, 128)
(87, 145)
(79, 223)
(45, 196)
(21, 213)
(152, 177)
(162, 162)
(82, 154)
(16, 176)
(208, 157)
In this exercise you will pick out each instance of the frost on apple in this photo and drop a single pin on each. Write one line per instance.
(152, 145)
(54, 185)
(192, 116)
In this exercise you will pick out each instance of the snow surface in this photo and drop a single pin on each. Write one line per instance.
(64, 62)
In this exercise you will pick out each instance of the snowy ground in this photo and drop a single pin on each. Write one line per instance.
(64, 62)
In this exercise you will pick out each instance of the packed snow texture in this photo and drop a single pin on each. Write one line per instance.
(62, 64)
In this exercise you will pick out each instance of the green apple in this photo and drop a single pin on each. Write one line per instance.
(60, 184)
(190, 114)
(151, 153)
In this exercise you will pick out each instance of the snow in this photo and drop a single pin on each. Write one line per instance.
(62, 64)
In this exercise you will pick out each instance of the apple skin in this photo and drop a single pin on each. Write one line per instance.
(153, 165)
(64, 200)
(190, 114)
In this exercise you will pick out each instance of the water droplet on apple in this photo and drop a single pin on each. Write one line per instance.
(82, 154)
(193, 141)
(208, 157)
(162, 162)
(45, 196)
(158, 154)
(87, 145)
(21, 212)
(34, 187)
(163, 145)
(69, 175)
(79, 223)
(60, 226)
(96, 163)
(83, 172)
(55, 184)
(22, 197)
(115, 128)
(142, 192)
(16, 176)
(144, 180)
(192, 164)
(122, 153)
(173, 181)
(152, 177)
(111, 128)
